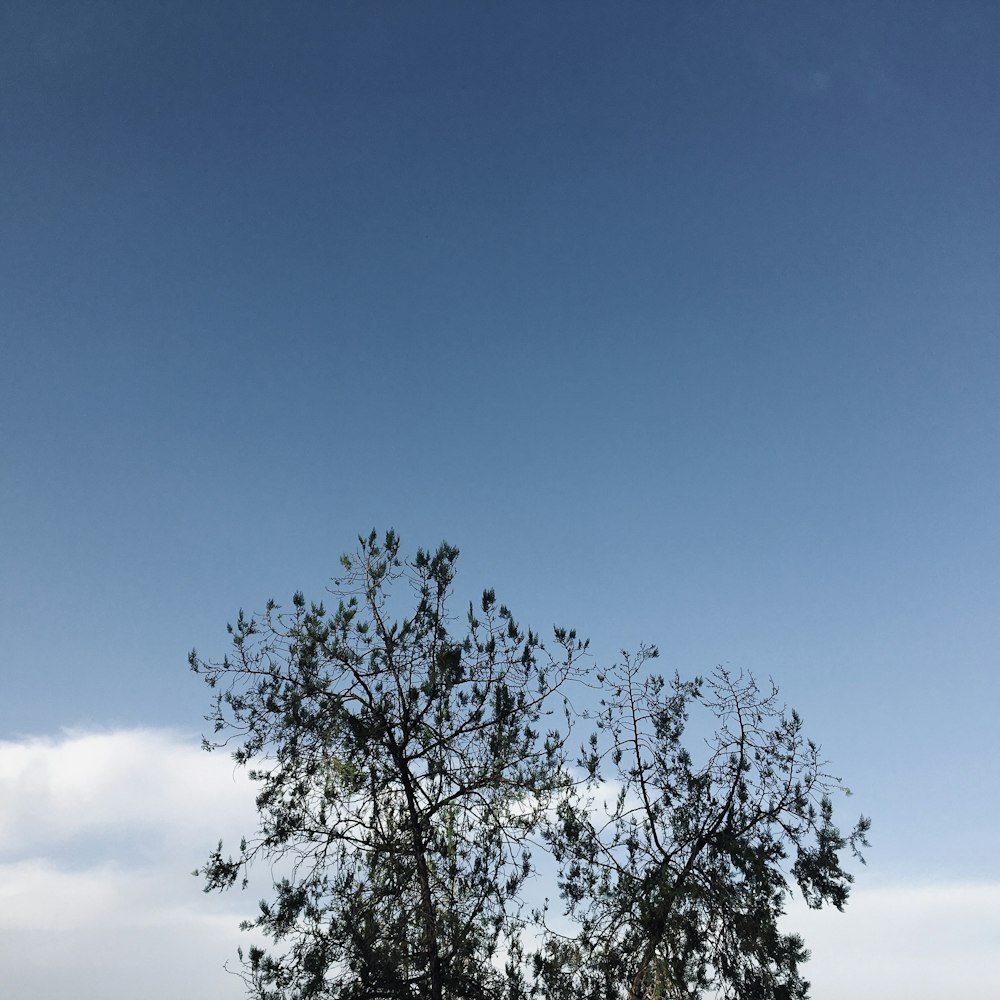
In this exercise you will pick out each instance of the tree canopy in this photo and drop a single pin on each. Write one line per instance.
(431, 834)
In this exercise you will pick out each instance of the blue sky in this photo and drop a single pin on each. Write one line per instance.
(680, 320)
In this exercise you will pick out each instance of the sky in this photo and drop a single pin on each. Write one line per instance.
(680, 320)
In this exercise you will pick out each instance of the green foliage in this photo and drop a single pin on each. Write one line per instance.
(405, 773)
(678, 886)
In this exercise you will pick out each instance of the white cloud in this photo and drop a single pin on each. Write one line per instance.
(110, 934)
(99, 832)
(57, 791)
(922, 942)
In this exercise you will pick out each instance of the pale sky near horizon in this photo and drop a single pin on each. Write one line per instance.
(680, 320)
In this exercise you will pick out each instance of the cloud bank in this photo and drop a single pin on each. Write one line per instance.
(99, 833)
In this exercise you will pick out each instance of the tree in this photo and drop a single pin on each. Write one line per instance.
(401, 772)
(406, 775)
(678, 885)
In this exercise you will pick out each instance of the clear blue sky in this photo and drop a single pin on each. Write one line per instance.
(681, 320)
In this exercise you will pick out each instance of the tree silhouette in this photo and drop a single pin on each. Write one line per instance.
(409, 775)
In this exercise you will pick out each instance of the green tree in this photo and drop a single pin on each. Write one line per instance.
(678, 884)
(406, 771)
(401, 772)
